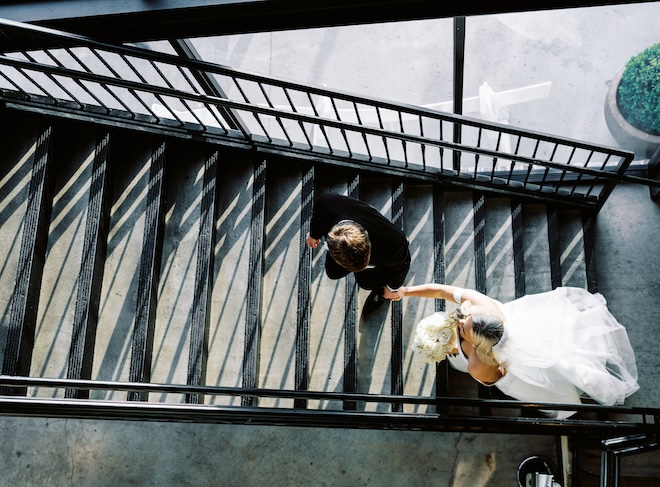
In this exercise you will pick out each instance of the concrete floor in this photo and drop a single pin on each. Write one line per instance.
(578, 51)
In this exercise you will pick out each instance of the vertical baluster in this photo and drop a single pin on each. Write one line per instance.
(403, 142)
(512, 165)
(546, 170)
(380, 125)
(343, 132)
(476, 155)
(579, 176)
(321, 126)
(119, 77)
(302, 126)
(531, 166)
(209, 84)
(563, 173)
(256, 115)
(441, 149)
(422, 146)
(138, 73)
(602, 167)
(279, 120)
(364, 135)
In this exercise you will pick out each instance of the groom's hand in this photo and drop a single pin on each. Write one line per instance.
(312, 242)
(393, 296)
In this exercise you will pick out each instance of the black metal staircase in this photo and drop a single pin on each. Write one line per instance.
(156, 267)
(279, 197)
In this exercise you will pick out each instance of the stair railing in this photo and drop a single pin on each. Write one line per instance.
(427, 415)
(613, 449)
(74, 76)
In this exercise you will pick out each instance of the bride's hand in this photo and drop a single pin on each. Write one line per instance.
(396, 295)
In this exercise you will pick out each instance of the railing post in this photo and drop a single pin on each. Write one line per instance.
(459, 62)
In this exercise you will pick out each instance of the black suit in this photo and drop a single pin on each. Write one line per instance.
(390, 256)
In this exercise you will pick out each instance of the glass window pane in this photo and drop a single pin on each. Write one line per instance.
(577, 51)
(409, 62)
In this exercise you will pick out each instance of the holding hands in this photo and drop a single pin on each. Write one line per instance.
(392, 295)
(312, 242)
(396, 295)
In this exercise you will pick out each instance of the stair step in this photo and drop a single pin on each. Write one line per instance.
(228, 317)
(419, 378)
(536, 251)
(277, 352)
(333, 330)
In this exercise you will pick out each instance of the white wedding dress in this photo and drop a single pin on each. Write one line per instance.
(561, 345)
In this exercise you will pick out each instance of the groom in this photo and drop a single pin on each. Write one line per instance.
(362, 241)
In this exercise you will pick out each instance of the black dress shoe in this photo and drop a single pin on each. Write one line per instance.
(374, 301)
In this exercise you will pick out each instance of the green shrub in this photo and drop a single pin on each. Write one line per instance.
(639, 91)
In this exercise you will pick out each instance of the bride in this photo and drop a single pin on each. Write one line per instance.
(549, 347)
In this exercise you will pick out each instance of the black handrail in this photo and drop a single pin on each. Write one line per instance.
(613, 449)
(647, 419)
(137, 86)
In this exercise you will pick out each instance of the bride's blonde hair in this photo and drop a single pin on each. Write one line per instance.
(487, 328)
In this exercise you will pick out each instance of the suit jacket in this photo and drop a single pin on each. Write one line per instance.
(389, 245)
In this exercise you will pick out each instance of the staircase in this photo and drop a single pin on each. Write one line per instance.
(138, 258)
(130, 258)
(156, 270)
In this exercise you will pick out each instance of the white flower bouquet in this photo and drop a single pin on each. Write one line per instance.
(435, 337)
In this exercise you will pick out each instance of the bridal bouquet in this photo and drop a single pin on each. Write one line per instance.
(435, 337)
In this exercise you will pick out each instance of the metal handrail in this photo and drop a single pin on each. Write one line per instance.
(647, 419)
(123, 84)
(613, 449)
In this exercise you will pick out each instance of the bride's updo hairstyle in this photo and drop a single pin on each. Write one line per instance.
(487, 329)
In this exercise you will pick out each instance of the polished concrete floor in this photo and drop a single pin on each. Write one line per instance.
(578, 51)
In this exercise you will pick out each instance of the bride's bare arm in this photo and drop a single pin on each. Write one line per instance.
(446, 292)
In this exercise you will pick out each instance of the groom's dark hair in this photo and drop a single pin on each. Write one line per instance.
(349, 245)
